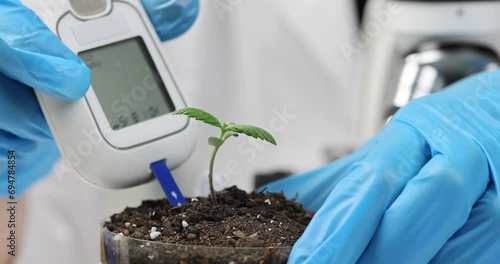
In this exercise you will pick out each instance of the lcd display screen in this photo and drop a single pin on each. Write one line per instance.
(127, 83)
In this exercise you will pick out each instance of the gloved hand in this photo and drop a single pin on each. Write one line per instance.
(32, 57)
(171, 18)
(425, 189)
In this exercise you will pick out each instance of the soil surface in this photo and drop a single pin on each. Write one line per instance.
(239, 219)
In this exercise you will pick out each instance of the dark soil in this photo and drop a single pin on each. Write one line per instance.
(264, 220)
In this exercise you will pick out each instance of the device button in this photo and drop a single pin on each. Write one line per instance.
(89, 8)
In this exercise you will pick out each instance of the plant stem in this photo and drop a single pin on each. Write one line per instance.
(210, 175)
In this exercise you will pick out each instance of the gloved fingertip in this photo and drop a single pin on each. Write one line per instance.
(181, 28)
(169, 34)
(173, 18)
(71, 82)
(82, 84)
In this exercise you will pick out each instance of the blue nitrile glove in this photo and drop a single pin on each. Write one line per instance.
(425, 189)
(31, 56)
(171, 18)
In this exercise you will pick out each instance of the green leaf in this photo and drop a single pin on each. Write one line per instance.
(199, 114)
(214, 141)
(253, 131)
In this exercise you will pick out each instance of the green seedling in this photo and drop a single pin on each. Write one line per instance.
(227, 130)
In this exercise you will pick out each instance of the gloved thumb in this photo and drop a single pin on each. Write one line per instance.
(31, 54)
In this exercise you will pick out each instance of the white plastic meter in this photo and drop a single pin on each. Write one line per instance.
(123, 124)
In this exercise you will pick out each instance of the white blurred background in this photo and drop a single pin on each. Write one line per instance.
(246, 63)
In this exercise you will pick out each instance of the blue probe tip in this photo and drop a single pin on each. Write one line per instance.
(167, 182)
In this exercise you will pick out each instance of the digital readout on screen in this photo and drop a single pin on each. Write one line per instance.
(127, 83)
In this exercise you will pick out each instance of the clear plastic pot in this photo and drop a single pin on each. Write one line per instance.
(119, 249)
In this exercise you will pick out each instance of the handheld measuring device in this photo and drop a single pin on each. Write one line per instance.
(123, 124)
